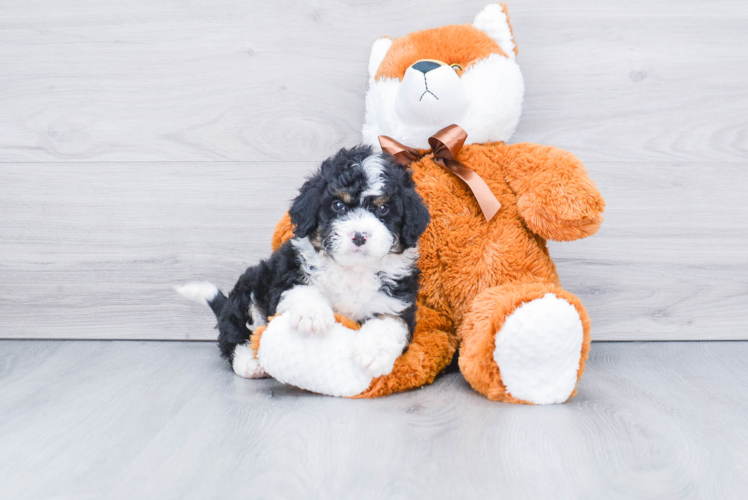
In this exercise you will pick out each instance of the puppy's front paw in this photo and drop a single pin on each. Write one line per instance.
(313, 320)
(310, 311)
(379, 343)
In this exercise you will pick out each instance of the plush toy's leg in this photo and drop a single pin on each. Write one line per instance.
(525, 343)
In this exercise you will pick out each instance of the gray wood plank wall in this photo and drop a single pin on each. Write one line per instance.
(150, 142)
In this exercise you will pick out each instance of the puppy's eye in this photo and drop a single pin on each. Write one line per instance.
(457, 67)
(383, 209)
(338, 206)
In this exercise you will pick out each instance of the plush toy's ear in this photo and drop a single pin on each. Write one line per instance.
(415, 218)
(494, 22)
(306, 206)
(378, 51)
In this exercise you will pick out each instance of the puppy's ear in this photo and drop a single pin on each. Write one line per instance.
(415, 218)
(306, 206)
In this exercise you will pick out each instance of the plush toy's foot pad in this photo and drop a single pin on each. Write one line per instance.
(319, 363)
(245, 365)
(538, 350)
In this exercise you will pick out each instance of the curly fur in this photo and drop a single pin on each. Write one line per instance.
(357, 221)
(474, 273)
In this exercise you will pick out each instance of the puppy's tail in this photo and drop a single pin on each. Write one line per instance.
(203, 292)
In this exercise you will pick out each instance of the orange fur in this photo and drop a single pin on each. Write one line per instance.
(476, 273)
(461, 44)
(505, 10)
(283, 232)
(463, 255)
(489, 311)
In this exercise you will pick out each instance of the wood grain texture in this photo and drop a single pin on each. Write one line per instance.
(152, 142)
(171, 421)
(92, 251)
(162, 81)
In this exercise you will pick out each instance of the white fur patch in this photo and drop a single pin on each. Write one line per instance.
(436, 99)
(493, 22)
(538, 350)
(259, 318)
(309, 311)
(373, 168)
(498, 89)
(323, 363)
(245, 365)
(378, 50)
(495, 89)
(379, 239)
(198, 291)
(354, 291)
(379, 343)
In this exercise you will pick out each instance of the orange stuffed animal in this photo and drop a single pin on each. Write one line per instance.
(487, 286)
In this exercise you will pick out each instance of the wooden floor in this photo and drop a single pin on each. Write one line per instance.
(133, 419)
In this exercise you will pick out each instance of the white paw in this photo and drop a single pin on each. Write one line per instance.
(309, 310)
(245, 365)
(312, 321)
(379, 343)
(538, 350)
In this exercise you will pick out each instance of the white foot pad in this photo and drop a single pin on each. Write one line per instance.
(245, 365)
(538, 350)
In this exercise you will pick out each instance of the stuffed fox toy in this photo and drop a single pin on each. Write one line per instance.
(489, 288)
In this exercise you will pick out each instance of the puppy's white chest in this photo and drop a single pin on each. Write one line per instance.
(356, 292)
(356, 295)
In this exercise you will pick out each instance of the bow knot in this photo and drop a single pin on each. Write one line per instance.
(445, 145)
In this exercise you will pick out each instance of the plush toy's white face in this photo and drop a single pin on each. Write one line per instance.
(431, 93)
(464, 74)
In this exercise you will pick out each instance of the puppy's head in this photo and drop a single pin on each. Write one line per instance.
(358, 207)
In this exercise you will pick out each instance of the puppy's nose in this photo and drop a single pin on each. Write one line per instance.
(359, 239)
(426, 66)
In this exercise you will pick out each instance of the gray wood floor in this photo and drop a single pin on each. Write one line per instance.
(148, 142)
(134, 419)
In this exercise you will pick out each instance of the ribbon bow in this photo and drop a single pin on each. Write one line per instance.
(445, 145)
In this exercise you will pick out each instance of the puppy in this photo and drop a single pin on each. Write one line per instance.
(354, 252)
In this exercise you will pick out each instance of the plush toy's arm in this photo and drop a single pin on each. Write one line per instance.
(555, 197)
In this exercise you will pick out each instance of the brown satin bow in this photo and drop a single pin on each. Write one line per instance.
(445, 145)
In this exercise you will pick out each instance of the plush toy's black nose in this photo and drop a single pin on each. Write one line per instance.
(359, 239)
(426, 66)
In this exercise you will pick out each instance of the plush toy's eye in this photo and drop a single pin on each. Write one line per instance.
(457, 67)
(383, 209)
(339, 206)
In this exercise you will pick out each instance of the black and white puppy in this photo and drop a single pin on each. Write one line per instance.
(354, 252)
